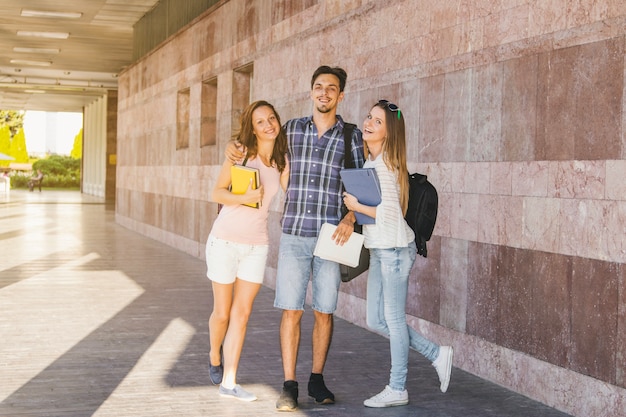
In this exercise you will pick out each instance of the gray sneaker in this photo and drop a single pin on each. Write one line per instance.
(443, 366)
(237, 392)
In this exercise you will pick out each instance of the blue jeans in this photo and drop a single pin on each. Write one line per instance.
(296, 266)
(387, 287)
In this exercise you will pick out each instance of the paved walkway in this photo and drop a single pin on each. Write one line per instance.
(96, 320)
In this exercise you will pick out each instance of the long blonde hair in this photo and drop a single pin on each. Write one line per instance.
(394, 149)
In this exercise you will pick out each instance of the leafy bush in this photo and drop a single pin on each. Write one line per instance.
(58, 164)
(20, 180)
(59, 172)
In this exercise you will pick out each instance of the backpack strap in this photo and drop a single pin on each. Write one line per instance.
(348, 161)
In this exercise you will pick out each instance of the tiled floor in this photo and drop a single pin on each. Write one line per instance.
(96, 320)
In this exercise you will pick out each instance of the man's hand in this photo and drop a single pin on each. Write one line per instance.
(344, 229)
(234, 151)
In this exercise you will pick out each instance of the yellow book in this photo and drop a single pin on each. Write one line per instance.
(240, 177)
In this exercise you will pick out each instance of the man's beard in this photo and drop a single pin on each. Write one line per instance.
(324, 109)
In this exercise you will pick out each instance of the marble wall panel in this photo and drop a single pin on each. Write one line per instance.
(486, 124)
(594, 318)
(620, 361)
(602, 107)
(206, 212)
(583, 231)
(551, 307)
(444, 214)
(615, 184)
(582, 101)
(456, 108)
(615, 231)
(482, 291)
(150, 214)
(424, 294)
(466, 210)
(475, 178)
(514, 311)
(454, 279)
(507, 25)
(500, 179)
(530, 178)
(541, 224)
(501, 220)
(408, 99)
(556, 125)
(519, 109)
(456, 177)
(431, 133)
(169, 213)
(578, 179)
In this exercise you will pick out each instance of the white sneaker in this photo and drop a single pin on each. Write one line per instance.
(388, 398)
(443, 365)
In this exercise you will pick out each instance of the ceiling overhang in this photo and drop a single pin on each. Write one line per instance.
(56, 72)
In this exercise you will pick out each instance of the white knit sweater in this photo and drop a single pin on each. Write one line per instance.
(390, 229)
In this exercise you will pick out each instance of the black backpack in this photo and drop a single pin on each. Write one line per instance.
(422, 212)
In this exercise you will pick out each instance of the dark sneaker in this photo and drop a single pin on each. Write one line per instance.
(318, 390)
(216, 373)
(288, 400)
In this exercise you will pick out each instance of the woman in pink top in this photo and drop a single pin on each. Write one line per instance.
(237, 247)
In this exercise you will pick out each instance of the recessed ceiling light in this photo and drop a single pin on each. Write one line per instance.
(43, 13)
(51, 35)
(29, 62)
(36, 50)
(35, 91)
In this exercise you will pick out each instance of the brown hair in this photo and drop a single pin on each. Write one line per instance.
(336, 71)
(248, 139)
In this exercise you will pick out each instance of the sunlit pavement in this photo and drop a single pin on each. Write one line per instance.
(96, 320)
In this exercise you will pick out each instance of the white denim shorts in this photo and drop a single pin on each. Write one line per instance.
(226, 261)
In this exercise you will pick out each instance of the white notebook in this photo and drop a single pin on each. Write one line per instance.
(347, 254)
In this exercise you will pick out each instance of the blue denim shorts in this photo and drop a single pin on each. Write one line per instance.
(296, 266)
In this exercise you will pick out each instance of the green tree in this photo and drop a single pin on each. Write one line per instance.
(5, 144)
(12, 140)
(18, 147)
(13, 119)
(77, 149)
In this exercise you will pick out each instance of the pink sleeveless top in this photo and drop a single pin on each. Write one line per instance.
(243, 224)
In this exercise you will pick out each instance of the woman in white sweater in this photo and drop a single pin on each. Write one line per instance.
(392, 252)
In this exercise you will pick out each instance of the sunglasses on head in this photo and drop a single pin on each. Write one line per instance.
(389, 105)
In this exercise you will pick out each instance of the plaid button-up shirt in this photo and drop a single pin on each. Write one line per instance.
(314, 192)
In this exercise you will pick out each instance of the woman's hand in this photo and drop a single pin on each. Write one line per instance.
(252, 196)
(353, 205)
(351, 202)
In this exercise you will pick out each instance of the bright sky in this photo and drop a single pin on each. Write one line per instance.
(50, 132)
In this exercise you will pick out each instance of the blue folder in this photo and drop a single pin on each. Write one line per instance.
(363, 184)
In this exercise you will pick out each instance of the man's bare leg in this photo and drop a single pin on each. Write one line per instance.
(322, 337)
(289, 347)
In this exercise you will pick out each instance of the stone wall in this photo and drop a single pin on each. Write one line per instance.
(514, 109)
